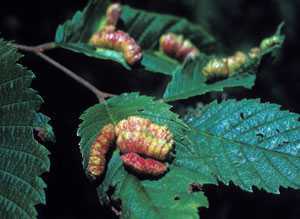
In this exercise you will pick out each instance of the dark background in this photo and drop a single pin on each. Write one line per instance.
(236, 24)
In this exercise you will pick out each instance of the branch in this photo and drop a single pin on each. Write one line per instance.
(39, 48)
(38, 51)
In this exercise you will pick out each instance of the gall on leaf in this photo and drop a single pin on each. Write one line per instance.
(141, 136)
(176, 47)
(134, 123)
(96, 163)
(119, 41)
(113, 14)
(141, 165)
(224, 67)
(254, 52)
(143, 142)
(270, 41)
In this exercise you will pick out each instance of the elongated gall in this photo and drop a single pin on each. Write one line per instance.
(141, 165)
(100, 146)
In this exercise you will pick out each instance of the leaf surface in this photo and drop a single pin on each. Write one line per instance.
(246, 142)
(147, 27)
(158, 62)
(23, 159)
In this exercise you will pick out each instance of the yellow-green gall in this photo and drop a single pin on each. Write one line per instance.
(135, 123)
(270, 41)
(99, 148)
(235, 62)
(143, 142)
(254, 52)
(216, 68)
(224, 67)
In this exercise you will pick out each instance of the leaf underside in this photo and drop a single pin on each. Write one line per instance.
(23, 159)
(247, 142)
(148, 198)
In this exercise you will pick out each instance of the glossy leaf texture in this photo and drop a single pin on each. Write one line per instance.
(23, 159)
(75, 34)
(189, 81)
(139, 196)
(246, 142)
(147, 28)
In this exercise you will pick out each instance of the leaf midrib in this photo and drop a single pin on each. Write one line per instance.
(209, 135)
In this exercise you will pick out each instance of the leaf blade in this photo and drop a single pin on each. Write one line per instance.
(162, 198)
(250, 143)
(147, 27)
(23, 158)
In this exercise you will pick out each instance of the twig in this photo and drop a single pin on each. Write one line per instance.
(39, 48)
(38, 51)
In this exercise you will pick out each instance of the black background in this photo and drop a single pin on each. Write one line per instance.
(235, 23)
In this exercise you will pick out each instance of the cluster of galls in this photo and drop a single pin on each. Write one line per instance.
(226, 67)
(117, 40)
(265, 44)
(174, 46)
(134, 136)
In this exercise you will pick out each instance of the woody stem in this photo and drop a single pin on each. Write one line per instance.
(38, 50)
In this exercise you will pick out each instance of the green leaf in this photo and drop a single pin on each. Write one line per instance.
(158, 62)
(143, 201)
(23, 159)
(189, 81)
(147, 28)
(247, 142)
(168, 197)
(114, 178)
(75, 34)
(45, 130)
